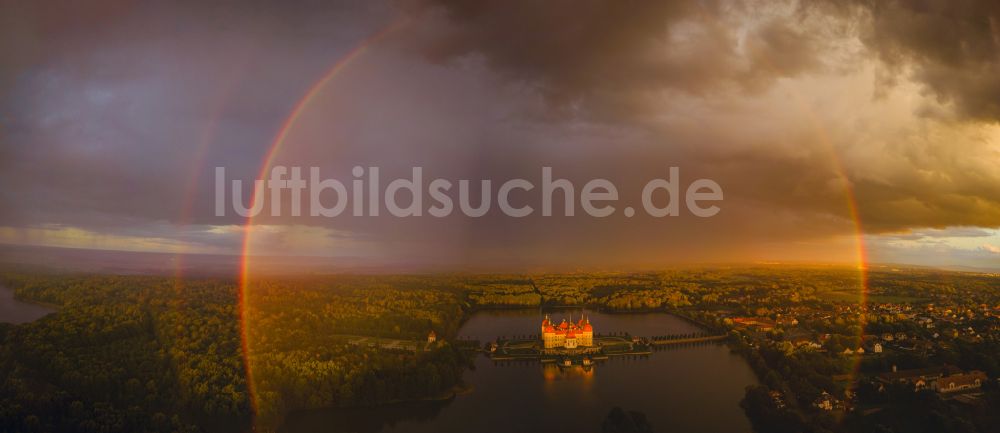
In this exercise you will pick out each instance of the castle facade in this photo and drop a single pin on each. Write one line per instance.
(567, 334)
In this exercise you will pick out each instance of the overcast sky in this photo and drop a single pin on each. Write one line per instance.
(114, 115)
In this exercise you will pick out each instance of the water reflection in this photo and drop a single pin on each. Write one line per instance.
(552, 371)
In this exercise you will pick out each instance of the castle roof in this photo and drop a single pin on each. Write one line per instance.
(567, 326)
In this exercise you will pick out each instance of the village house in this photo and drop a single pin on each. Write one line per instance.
(756, 323)
(787, 321)
(919, 378)
(848, 351)
(825, 401)
(960, 382)
(777, 398)
(804, 342)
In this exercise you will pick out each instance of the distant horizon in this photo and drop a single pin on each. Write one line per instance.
(270, 266)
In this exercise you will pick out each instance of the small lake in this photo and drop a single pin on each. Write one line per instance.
(680, 389)
(17, 312)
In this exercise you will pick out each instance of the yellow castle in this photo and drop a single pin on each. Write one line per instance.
(567, 334)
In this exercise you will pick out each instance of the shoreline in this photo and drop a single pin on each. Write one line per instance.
(18, 298)
(21, 311)
(53, 307)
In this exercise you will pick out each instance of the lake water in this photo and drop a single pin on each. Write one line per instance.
(17, 312)
(693, 388)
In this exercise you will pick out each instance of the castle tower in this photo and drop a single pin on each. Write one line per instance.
(548, 333)
(586, 337)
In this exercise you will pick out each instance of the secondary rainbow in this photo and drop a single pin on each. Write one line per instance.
(279, 140)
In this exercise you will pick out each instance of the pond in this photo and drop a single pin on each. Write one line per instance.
(17, 312)
(689, 388)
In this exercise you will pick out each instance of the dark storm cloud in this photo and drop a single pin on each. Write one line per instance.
(778, 50)
(620, 54)
(934, 174)
(624, 61)
(951, 46)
